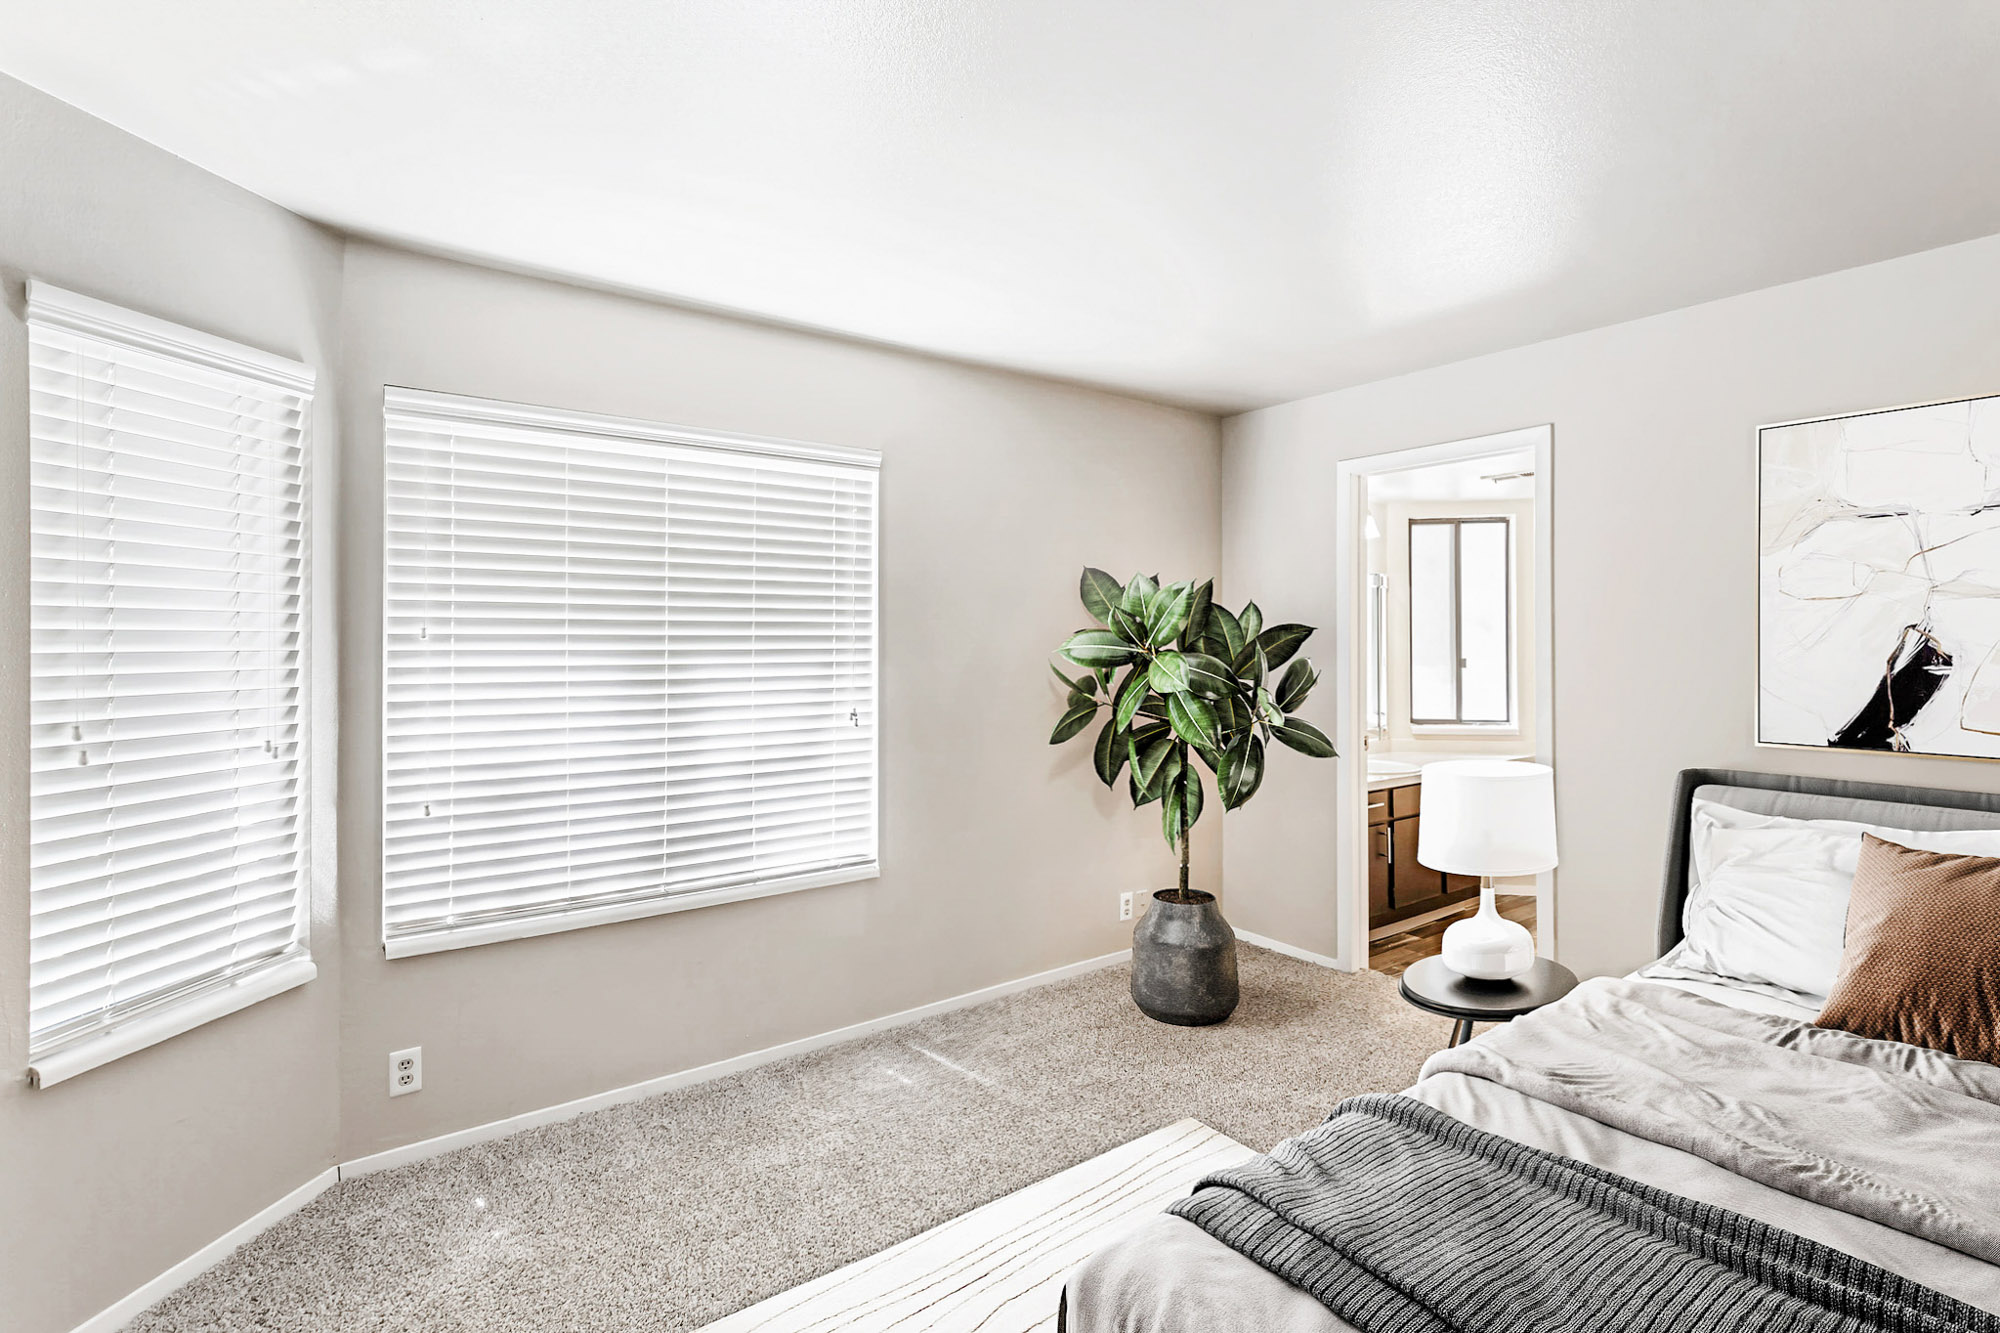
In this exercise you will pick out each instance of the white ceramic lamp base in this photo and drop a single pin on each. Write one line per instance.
(1488, 946)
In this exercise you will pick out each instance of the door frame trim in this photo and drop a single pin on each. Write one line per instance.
(1350, 667)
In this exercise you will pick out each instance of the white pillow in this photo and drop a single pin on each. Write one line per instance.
(1768, 902)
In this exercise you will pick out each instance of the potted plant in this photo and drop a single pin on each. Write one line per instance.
(1179, 679)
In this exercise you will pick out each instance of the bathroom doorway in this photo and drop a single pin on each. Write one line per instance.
(1444, 608)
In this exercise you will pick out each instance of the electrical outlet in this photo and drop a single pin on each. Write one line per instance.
(406, 1071)
(1124, 907)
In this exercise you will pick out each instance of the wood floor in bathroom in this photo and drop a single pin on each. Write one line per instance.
(1393, 953)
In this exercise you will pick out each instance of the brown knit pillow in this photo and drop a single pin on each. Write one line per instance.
(1922, 960)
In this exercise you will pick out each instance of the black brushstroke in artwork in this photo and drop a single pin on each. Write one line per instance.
(1899, 696)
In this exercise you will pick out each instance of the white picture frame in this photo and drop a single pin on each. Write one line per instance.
(1878, 598)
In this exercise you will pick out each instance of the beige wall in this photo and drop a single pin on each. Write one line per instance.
(1654, 555)
(111, 1177)
(1001, 856)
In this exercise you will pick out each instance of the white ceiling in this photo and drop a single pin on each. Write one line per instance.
(1220, 204)
(1506, 476)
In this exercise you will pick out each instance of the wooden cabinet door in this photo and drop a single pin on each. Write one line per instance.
(1413, 883)
(1379, 852)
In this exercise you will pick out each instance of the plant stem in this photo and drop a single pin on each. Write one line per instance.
(1184, 860)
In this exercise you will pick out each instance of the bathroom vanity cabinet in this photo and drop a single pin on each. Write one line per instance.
(1399, 885)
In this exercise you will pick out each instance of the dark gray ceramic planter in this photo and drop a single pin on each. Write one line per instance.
(1184, 961)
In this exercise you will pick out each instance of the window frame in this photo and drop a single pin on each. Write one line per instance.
(450, 409)
(1457, 523)
(203, 999)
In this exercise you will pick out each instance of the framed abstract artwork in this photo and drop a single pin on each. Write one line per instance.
(1878, 604)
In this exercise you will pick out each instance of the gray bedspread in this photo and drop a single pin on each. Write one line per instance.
(1171, 1277)
(1402, 1219)
(1903, 1136)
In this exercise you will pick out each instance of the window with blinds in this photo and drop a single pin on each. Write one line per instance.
(628, 669)
(166, 882)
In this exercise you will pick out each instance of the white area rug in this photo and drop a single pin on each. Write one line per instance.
(998, 1268)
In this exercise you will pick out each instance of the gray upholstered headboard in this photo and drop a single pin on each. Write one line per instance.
(1808, 798)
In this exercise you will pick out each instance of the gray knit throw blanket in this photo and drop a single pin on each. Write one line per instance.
(1400, 1219)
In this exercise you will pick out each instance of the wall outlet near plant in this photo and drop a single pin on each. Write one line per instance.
(406, 1071)
(1124, 907)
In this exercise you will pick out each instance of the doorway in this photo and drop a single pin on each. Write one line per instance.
(1445, 652)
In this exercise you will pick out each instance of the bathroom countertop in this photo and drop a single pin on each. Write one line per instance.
(1411, 766)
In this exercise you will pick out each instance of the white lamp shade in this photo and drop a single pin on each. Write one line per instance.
(1488, 817)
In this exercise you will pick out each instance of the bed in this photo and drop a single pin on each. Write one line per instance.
(1695, 1100)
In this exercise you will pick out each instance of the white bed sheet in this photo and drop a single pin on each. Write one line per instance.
(1754, 997)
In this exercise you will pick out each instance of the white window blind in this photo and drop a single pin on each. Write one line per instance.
(168, 547)
(628, 669)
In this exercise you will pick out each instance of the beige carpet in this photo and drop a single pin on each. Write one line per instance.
(669, 1213)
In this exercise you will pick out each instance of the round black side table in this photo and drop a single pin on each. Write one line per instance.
(1436, 989)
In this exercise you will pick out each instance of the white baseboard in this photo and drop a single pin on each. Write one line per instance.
(1289, 950)
(116, 1316)
(1402, 925)
(495, 1129)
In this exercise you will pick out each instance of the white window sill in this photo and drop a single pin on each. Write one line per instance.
(150, 1029)
(1495, 730)
(495, 932)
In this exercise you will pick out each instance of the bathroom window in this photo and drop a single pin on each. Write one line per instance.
(1461, 622)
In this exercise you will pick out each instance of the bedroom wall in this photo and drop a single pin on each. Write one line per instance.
(110, 1178)
(1001, 856)
(1654, 556)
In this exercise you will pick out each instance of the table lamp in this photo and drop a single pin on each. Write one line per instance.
(1488, 817)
